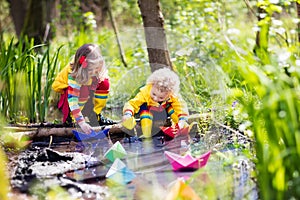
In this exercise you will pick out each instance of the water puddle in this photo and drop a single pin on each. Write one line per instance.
(81, 168)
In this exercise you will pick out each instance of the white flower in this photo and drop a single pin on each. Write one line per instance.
(208, 9)
(191, 64)
(284, 56)
(249, 133)
(277, 22)
(233, 31)
(274, 1)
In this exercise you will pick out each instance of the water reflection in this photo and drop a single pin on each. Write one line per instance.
(227, 174)
(147, 160)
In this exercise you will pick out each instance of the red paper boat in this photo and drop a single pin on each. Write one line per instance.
(183, 131)
(175, 131)
(187, 162)
(169, 131)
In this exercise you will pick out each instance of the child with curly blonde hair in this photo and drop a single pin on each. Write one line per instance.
(158, 100)
(83, 83)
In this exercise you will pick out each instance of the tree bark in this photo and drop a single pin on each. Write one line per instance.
(31, 133)
(98, 7)
(155, 34)
(35, 21)
(35, 131)
(33, 18)
(18, 9)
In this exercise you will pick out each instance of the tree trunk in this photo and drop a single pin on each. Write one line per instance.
(98, 7)
(155, 34)
(35, 21)
(18, 9)
(33, 18)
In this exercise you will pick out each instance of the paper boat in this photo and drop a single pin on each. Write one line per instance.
(186, 162)
(92, 136)
(181, 190)
(175, 131)
(119, 173)
(129, 123)
(182, 131)
(116, 151)
(169, 131)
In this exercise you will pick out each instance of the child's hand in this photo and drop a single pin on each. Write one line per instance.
(182, 124)
(85, 127)
(129, 123)
(125, 117)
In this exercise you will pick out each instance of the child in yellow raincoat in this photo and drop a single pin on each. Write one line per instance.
(83, 83)
(158, 100)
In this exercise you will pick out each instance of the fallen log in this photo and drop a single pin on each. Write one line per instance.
(31, 131)
(21, 133)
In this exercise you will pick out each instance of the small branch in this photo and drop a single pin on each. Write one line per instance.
(113, 23)
(232, 130)
(232, 46)
(249, 7)
(50, 142)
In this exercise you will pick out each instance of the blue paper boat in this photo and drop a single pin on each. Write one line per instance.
(92, 136)
(119, 173)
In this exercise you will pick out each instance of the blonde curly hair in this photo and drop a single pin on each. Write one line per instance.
(165, 80)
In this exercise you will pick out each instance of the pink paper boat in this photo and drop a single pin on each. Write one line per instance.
(187, 162)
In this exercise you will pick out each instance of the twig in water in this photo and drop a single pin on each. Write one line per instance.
(232, 130)
(50, 142)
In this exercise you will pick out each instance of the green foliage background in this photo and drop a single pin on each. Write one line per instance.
(212, 45)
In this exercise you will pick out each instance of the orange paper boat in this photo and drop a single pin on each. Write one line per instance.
(186, 162)
(181, 190)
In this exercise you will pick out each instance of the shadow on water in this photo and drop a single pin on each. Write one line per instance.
(81, 168)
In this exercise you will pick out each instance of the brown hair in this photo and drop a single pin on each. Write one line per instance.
(92, 57)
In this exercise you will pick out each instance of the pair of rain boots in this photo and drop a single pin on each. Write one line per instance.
(99, 120)
(104, 121)
(93, 119)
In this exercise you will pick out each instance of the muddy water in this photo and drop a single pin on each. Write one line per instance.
(80, 168)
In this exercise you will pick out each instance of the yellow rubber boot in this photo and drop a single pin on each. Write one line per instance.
(146, 125)
(99, 100)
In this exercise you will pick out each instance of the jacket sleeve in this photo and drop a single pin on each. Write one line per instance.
(180, 108)
(61, 81)
(133, 105)
(73, 96)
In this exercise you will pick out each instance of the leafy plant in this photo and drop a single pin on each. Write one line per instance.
(45, 79)
(27, 76)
